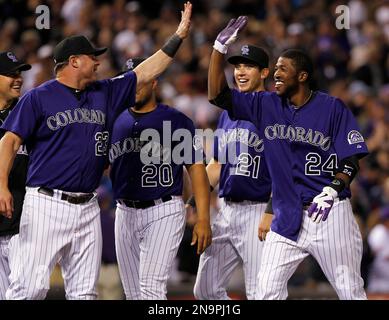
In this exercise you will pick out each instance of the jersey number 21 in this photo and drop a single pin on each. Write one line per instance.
(248, 165)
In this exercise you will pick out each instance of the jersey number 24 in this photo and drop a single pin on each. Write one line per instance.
(316, 167)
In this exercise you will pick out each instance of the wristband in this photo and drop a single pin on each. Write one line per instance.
(220, 47)
(269, 206)
(192, 202)
(338, 185)
(171, 45)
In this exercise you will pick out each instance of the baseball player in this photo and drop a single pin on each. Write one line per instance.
(11, 82)
(313, 146)
(67, 123)
(244, 189)
(150, 215)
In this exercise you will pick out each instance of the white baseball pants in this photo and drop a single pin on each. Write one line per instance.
(147, 242)
(54, 231)
(234, 241)
(336, 244)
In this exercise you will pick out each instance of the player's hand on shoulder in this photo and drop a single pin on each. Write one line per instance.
(202, 235)
(322, 204)
(229, 34)
(6, 202)
(264, 226)
(184, 26)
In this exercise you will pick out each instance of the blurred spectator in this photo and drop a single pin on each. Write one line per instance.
(382, 17)
(379, 242)
(71, 10)
(8, 33)
(42, 68)
(45, 73)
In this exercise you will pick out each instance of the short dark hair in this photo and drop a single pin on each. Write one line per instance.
(301, 61)
(59, 66)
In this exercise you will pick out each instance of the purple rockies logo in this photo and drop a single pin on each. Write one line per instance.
(245, 50)
(130, 64)
(12, 57)
(354, 137)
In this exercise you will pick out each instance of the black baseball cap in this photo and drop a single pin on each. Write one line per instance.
(75, 45)
(251, 54)
(9, 64)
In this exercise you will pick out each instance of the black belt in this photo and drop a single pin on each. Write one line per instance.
(139, 204)
(67, 197)
(229, 199)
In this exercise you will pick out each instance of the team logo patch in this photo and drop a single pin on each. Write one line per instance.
(130, 64)
(354, 137)
(12, 57)
(245, 50)
(197, 142)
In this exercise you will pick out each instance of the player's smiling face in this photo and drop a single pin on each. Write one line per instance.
(10, 86)
(247, 77)
(285, 77)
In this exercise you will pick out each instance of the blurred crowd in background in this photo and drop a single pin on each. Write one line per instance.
(352, 64)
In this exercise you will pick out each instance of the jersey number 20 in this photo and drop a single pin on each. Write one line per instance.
(153, 176)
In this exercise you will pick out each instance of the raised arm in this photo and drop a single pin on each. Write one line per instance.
(216, 78)
(152, 67)
(9, 145)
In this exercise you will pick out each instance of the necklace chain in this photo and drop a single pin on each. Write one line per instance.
(309, 97)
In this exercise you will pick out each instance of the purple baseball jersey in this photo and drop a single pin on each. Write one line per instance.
(247, 178)
(303, 148)
(69, 137)
(132, 178)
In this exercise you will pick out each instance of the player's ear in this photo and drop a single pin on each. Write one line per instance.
(73, 61)
(303, 76)
(264, 73)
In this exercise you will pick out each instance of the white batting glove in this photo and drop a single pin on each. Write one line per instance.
(228, 34)
(322, 204)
